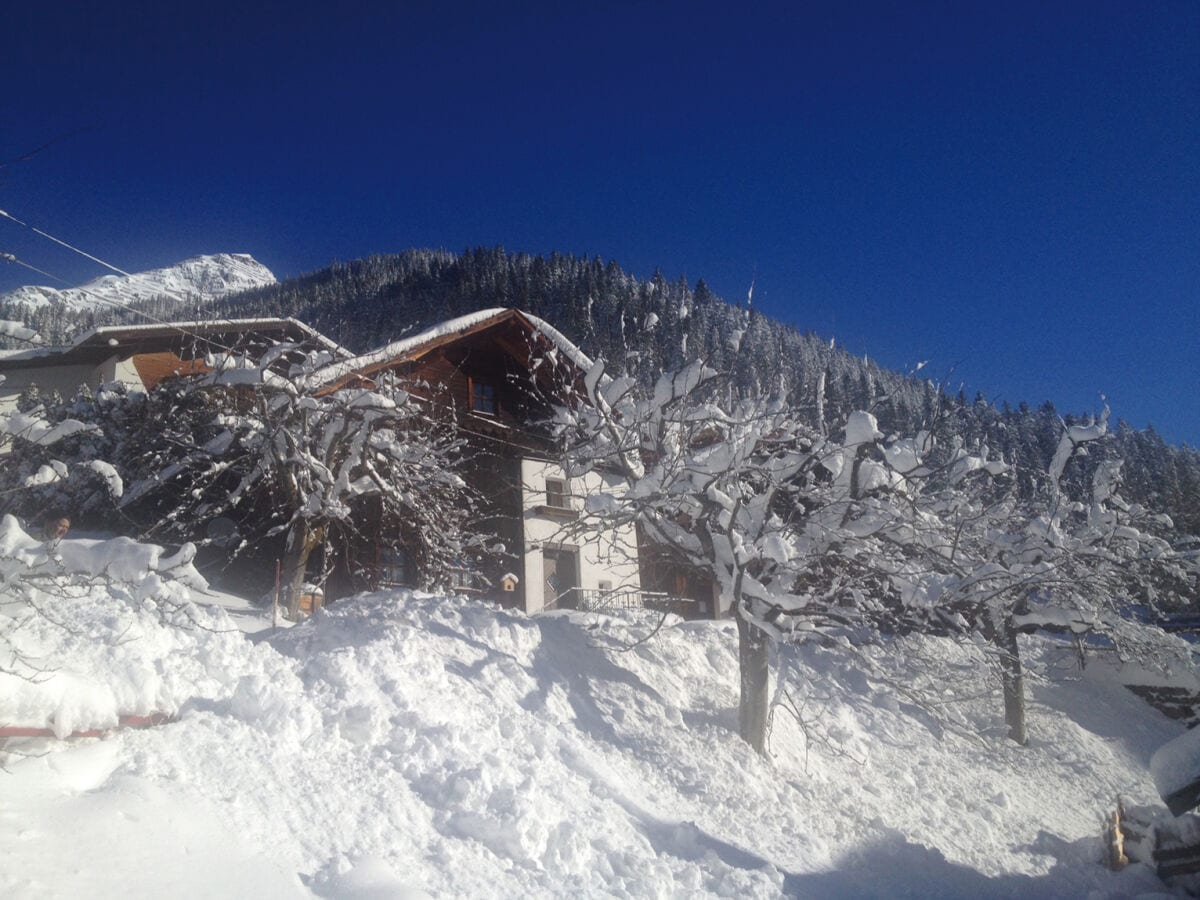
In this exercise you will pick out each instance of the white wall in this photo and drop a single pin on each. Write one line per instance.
(64, 379)
(67, 379)
(609, 556)
(116, 369)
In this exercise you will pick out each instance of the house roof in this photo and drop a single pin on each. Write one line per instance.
(100, 343)
(414, 347)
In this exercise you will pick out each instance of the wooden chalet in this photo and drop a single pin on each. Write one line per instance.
(500, 372)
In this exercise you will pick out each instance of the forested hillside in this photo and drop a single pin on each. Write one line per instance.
(609, 313)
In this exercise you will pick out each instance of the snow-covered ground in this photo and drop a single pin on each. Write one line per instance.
(247, 616)
(403, 745)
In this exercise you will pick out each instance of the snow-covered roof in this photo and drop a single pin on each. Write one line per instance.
(209, 326)
(412, 345)
(107, 337)
(29, 353)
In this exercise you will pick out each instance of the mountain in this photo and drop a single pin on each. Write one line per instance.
(199, 279)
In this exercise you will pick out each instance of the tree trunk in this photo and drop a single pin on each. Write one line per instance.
(1012, 678)
(302, 540)
(754, 653)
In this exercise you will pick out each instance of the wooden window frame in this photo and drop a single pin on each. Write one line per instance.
(472, 386)
(558, 489)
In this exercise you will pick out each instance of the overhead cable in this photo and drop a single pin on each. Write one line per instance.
(9, 257)
(62, 243)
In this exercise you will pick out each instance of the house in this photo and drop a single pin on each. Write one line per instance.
(500, 372)
(141, 356)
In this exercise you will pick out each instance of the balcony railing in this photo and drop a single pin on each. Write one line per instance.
(595, 600)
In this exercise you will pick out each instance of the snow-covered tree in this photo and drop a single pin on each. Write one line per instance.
(816, 530)
(276, 449)
(800, 532)
(1006, 552)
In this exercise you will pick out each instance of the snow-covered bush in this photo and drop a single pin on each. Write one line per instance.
(65, 602)
(80, 473)
(86, 627)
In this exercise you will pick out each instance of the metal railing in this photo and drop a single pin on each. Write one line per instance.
(596, 600)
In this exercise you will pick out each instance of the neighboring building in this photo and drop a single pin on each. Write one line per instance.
(490, 368)
(141, 356)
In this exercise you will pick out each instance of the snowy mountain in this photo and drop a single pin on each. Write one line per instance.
(199, 279)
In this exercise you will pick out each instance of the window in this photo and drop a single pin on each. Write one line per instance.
(464, 580)
(556, 494)
(483, 398)
(393, 566)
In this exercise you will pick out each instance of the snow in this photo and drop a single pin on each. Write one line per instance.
(1176, 764)
(110, 476)
(46, 474)
(33, 428)
(861, 428)
(123, 837)
(400, 744)
(248, 616)
(19, 331)
(405, 346)
(1072, 438)
(199, 278)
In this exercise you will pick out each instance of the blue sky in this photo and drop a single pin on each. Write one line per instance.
(1010, 191)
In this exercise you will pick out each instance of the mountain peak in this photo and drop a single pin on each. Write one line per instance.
(199, 278)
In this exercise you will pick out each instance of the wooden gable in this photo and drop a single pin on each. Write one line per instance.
(486, 371)
(154, 368)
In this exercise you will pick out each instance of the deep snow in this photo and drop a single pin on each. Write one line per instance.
(408, 745)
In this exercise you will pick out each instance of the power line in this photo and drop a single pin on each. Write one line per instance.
(114, 303)
(62, 243)
(8, 257)
(25, 157)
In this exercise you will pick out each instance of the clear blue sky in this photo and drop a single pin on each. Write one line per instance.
(1010, 191)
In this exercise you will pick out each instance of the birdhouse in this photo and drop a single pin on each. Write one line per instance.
(509, 581)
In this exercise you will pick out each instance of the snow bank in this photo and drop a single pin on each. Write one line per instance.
(93, 654)
(92, 630)
(406, 745)
(1176, 770)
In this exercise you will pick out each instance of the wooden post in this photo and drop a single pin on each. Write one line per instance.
(1115, 838)
(275, 606)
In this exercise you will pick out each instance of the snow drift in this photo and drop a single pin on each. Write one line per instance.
(407, 745)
